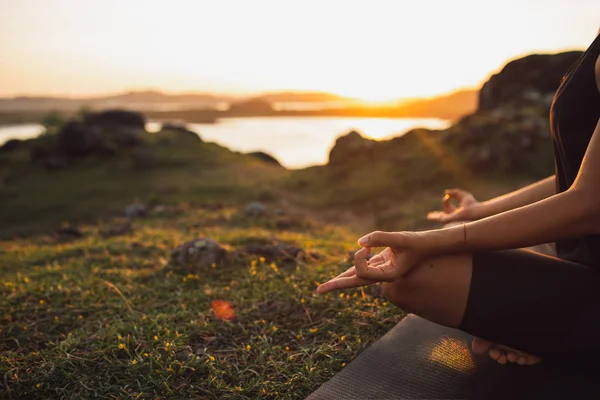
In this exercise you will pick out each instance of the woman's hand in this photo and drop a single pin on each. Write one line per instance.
(468, 209)
(404, 250)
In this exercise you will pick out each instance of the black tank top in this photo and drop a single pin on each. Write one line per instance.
(573, 118)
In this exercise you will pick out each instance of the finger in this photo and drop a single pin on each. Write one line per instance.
(376, 260)
(349, 272)
(343, 283)
(457, 194)
(360, 260)
(446, 205)
(382, 239)
(440, 216)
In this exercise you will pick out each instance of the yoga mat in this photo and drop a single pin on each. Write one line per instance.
(418, 359)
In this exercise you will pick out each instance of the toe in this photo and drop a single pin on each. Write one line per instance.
(512, 357)
(480, 345)
(522, 360)
(502, 359)
(495, 353)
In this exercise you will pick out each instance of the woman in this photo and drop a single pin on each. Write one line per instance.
(476, 276)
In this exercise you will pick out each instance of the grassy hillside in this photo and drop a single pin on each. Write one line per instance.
(37, 200)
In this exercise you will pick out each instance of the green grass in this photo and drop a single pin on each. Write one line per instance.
(35, 200)
(110, 318)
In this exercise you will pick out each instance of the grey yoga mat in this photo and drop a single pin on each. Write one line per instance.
(418, 359)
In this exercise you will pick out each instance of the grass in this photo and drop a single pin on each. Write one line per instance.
(110, 318)
(36, 201)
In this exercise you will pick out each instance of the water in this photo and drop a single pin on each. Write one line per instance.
(27, 131)
(295, 142)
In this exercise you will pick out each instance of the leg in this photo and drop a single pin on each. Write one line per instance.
(499, 352)
(539, 304)
(436, 290)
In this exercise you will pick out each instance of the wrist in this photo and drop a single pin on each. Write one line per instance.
(479, 211)
(445, 240)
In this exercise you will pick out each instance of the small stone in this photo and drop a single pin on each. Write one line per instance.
(255, 209)
(135, 210)
(198, 254)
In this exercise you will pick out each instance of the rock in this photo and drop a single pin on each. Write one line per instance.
(143, 158)
(255, 209)
(135, 210)
(265, 157)
(532, 78)
(101, 134)
(116, 229)
(11, 145)
(198, 254)
(349, 146)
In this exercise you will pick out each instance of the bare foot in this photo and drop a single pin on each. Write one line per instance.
(503, 354)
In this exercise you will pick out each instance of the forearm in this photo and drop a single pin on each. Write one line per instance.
(522, 197)
(565, 215)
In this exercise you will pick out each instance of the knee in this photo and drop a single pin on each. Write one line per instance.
(403, 294)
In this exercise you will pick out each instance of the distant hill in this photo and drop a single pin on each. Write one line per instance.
(449, 106)
(196, 107)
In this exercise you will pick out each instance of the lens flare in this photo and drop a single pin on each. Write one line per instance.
(223, 310)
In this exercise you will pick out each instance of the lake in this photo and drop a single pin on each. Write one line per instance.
(296, 142)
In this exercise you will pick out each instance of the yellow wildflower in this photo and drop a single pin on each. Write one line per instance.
(302, 301)
(155, 337)
(343, 365)
(343, 338)
(248, 347)
(211, 358)
(121, 346)
(134, 362)
(262, 259)
(145, 354)
(42, 302)
(313, 330)
(274, 328)
(291, 358)
(80, 316)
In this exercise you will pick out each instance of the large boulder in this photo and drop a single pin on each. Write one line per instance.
(349, 146)
(102, 134)
(533, 78)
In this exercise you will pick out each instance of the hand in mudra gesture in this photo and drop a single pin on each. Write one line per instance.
(468, 207)
(403, 250)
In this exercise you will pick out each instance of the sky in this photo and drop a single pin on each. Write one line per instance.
(373, 49)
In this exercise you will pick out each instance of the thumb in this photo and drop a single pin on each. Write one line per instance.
(381, 239)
